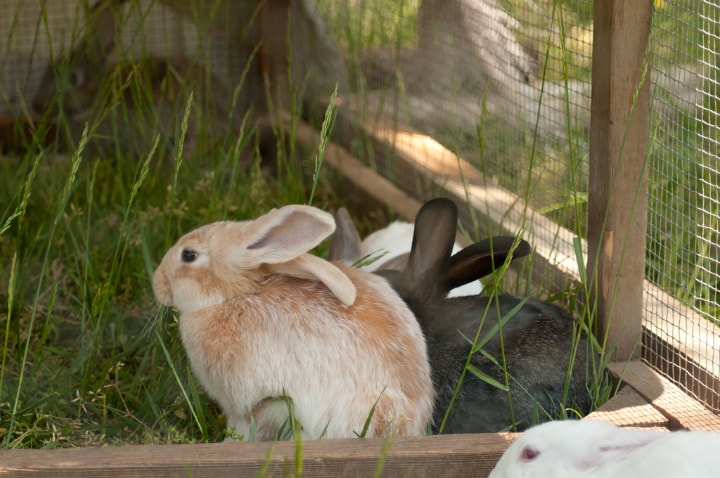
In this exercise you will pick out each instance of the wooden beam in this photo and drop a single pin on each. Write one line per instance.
(441, 456)
(367, 180)
(617, 193)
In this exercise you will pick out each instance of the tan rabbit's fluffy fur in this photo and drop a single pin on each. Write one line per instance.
(253, 333)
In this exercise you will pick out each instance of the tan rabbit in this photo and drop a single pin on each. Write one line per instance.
(260, 318)
(134, 100)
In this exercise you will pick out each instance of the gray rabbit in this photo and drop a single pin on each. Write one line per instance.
(535, 340)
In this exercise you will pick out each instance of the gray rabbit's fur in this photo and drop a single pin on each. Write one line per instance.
(537, 340)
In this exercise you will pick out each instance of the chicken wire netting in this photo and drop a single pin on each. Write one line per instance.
(504, 84)
(684, 194)
(34, 33)
(87, 57)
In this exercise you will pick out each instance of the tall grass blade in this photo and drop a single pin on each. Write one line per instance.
(327, 125)
(168, 357)
(69, 184)
(368, 420)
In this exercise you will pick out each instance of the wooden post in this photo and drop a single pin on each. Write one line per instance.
(617, 194)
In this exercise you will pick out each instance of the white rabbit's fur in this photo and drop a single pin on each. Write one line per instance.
(590, 448)
(395, 240)
(387, 243)
(261, 319)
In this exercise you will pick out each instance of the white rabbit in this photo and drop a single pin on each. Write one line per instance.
(389, 248)
(386, 244)
(590, 448)
(261, 319)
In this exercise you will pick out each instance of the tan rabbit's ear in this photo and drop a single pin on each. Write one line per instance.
(314, 268)
(281, 238)
(283, 234)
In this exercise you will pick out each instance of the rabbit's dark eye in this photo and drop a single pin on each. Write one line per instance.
(188, 255)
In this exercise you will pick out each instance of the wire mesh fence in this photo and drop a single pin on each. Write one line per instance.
(682, 249)
(505, 86)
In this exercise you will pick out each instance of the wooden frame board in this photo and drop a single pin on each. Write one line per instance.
(442, 456)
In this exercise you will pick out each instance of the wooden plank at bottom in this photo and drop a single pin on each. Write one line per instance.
(437, 456)
(671, 401)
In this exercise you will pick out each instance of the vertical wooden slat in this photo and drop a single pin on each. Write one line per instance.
(617, 199)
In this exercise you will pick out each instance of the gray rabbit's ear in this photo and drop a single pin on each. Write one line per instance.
(482, 258)
(435, 229)
(345, 243)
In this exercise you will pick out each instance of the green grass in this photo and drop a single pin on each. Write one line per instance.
(78, 300)
(88, 357)
(80, 240)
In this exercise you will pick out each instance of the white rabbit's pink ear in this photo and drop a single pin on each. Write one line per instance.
(284, 234)
(612, 448)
